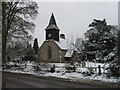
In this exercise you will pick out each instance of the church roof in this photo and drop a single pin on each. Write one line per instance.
(62, 43)
(64, 46)
(52, 23)
(52, 20)
(69, 53)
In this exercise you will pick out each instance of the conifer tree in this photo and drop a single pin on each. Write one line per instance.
(29, 54)
(35, 45)
(101, 37)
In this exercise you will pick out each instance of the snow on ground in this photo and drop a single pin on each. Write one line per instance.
(73, 76)
(87, 64)
(92, 64)
(61, 66)
(78, 76)
(60, 72)
(81, 69)
(57, 64)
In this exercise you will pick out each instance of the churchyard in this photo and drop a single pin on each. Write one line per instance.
(84, 70)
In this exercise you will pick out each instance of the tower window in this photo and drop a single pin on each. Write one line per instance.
(49, 53)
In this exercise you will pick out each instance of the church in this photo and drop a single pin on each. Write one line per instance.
(54, 48)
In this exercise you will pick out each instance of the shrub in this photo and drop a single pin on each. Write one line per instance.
(113, 70)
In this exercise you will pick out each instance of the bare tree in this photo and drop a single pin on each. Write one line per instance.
(79, 44)
(17, 22)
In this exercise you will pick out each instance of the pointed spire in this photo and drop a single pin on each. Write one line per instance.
(52, 20)
(52, 23)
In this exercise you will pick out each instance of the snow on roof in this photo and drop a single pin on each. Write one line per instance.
(68, 54)
(62, 43)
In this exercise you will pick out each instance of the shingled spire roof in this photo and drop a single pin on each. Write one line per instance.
(52, 20)
(52, 23)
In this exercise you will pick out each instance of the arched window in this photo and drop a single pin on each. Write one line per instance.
(49, 53)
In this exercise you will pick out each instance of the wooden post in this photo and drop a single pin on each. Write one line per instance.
(99, 70)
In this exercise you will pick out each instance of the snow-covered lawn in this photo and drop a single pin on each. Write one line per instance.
(78, 76)
(60, 72)
(92, 64)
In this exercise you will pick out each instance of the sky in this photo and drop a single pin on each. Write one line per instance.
(73, 18)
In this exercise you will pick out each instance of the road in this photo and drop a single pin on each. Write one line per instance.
(0, 80)
(12, 80)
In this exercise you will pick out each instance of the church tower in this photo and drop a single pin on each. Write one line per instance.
(52, 30)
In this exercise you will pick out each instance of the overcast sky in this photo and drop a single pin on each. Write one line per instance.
(73, 18)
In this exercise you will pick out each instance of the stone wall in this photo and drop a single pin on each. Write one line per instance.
(43, 52)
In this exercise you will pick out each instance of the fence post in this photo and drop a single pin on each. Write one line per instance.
(99, 70)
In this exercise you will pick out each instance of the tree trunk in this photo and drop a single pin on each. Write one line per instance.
(4, 38)
(118, 47)
(3, 48)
